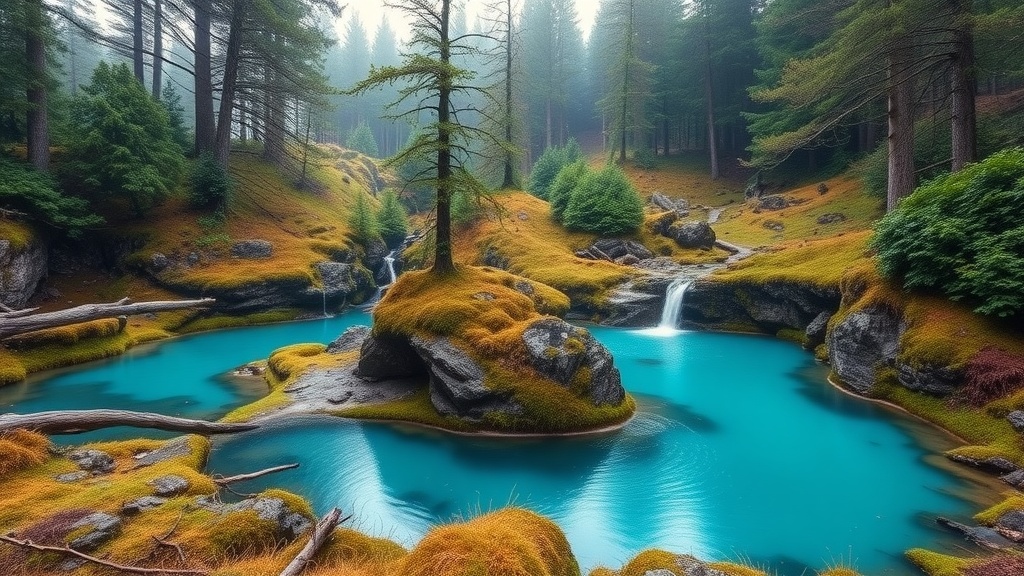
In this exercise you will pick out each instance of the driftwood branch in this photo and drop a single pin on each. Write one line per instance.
(69, 552)
(321, 533)
(249, 476)
(19, 322)
(75, 421)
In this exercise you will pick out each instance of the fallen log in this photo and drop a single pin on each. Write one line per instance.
(321, 533)
(224, 481)
(122, 567)
(76, 421)
(18, 322)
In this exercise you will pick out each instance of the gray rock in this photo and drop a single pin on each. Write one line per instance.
(616, 248)
(169, 485)
(773, 225)
(1015, 479)
(980, 535)
(252, 249)
(861, 343)
(661, 265)
(1016, 419)
(376, 250)
(92, 460)
(692, 235)
(659, 572)
(174, 448)
(351, 339)
(494, 259)
(691, 566)
(69, 477)
(23, 269)
(560, 350)
(289, 523)
(144, 503)
(773, 202)
(636, 302)
(680, 206)
(994, 464)
(930, 378)
(766, 307)
(158, 262)
(524, 287)
(192, 259)
(337, 278)
(1012, 520)
(457, 382)
(384, 357)
(831, 218)
(817, 330)
(100, 527)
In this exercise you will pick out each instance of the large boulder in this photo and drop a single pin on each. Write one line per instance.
(692, 235)
(817, 330)
(340, 280)
(766, 307)
(289, 524)
(457, 382)
(22, 270)
(680, 206)
(863, 342)
(570, 356)
(385, 357)
(930, 378)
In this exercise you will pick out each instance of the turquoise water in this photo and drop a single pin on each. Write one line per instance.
(740, 450)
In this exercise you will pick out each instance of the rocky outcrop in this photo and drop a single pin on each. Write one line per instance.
(570, 356)
(616, 250)
(288, 523)
(457, 382)
(863, 342)
(351, 339)
(94, 461)
(980, 535)
(680, 206)
(21, 270)
(637, 302)
(169, 485)
(766, 307)
(94, 530)
(175, 448)
(386, 357)
(929, 378)
(252, 249)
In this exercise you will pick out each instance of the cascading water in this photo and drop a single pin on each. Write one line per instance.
(673, 303)
(389, 262)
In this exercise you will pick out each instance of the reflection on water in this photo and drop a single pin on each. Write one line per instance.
(739, 450)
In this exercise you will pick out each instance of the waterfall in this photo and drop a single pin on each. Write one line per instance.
(673, 304)
(323, 294)
(390, 261)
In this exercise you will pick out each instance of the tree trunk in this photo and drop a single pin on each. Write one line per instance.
(443, 263)
(709, 99)
(964, 116)
(76, 421)
(227, 94)
(206, 132)
(37, 117)
(625, 84)
(321, 533)
(138, 43)
(21, 322)
(158, 48)
(901, 127)
(547, 124)
(508, 181)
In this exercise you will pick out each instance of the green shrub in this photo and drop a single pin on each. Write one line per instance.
(361, 138)
(24, 189)
(562, 188)
(465, 207)
(962, 235)
(645, 158)
(362, 221)
(391, 219)
(211, 185)
(605, 203)
(550, 164)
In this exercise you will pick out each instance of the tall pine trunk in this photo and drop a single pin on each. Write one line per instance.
(138, 43)
(508, 180)
(37, 117)
(709, 100)
(443, 262)
(158, 48)
(964, 89)
(227, 94)
(205, 126)
(901, 127)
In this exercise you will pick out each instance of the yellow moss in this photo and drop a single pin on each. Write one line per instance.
(651, 560)
(817, 262)
(841, 571)
(733, 569)
(19, 234)
(509, 542)
(220, 321)
(989, 516)
(415, 408)
(602, 571)
(20, 449)
(935, 564)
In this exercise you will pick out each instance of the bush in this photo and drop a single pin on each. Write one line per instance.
(121, 143)
(962, 235)
(24, 189)
(550, 164)
(604, 203)
(645, 158)
(211, 185)
(391, 219)
(562, 188)
(465, 207)
(361, 138)
(362, 221)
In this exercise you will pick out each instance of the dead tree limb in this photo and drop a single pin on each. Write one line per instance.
(75, 421)
(123, 568)
(17, 322)
(321, 533)
(224, 481)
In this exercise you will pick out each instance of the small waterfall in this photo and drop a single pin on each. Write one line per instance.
(673, 304)
(323, 294)
(390, 261)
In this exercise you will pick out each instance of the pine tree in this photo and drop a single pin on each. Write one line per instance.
(391, 219)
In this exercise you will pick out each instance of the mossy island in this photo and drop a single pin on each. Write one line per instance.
(476, 350)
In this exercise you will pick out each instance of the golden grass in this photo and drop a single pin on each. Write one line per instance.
(21, 449)
(935, 564)
(1014, 501)
(739, 223)
(682, 177)
(820, 262)
(508, 542)
(733, 569)
(651, 560)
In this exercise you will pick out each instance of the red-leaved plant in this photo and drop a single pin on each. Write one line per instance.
(991, 374)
